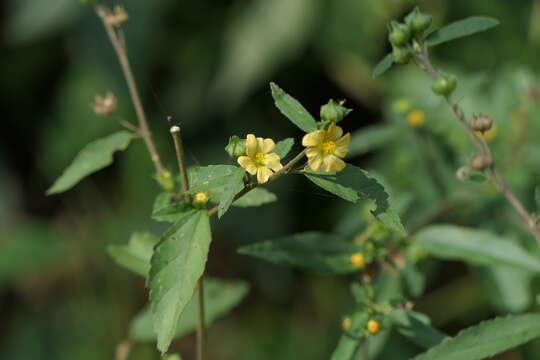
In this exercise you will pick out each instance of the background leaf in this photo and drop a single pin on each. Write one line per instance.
(474, 246)
(350, 340)
(486, 339)
(177, 264)
(256, 197)
(95, 156)
(283, 147)
(320, 252)
(461, 29)
(371, 138)
(137, 254)
(221, 296)
(292, 109)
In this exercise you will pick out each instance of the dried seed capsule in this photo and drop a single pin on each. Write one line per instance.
(480, 162)
(481, 123)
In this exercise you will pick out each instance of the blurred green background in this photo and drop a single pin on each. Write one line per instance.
(208, 64)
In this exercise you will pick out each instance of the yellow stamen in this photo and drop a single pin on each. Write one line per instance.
(201, 198)
(259, 157)
(328, 147)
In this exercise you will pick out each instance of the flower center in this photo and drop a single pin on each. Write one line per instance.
(259, 157)
(328, 147)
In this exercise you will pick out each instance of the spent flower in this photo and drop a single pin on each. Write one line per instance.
(326, 148)
(260, 159)
(104, 105)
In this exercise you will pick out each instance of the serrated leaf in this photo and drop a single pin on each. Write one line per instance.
(283, 147)
(475, 246)
(350, 340)
(136, 255)
(319, 252)
(221, 182)
(353, 184)
(486, 339)
(461, 29)
(161, 210)
(177, 264)
(371, 138)
(256, 197)
(93, 157)
(383, 66)
(416, 327)
(292, 109)
(220, 297)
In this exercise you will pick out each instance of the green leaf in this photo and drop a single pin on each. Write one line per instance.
(173, 357)
(256, 197)
(475, 246)
(292, 109)
(220, 297)
(162, 209)
(383, 66)
(350, 340)
(353, 184)
(136, 255)
(372, 138)
(283, 147)
(461, 29)
(95, 156)
(320, 252)
(537, 197)
(221, 182)
(486, 339)
(177, 264)
(416, 327)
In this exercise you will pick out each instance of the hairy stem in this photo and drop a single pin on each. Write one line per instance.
(483, 148)
(179, 147)
(120, 50)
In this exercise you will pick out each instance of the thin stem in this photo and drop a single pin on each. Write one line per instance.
(179, 147)
(483, 147)
(120, 50)
(284, 170)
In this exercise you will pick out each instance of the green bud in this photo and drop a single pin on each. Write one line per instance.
(418, 21)
(236, 147)
(333, 111)
(401, 55)
(444, 85)
(416, 47)
(166, 181)
(399, 34)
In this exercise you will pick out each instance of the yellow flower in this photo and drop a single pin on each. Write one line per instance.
(260, 159)
(326, 148)
(201, 198)
(373, 326)
(416, 118)
(358, 260)
(346, 324)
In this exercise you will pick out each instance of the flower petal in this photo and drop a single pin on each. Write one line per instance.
(263, 173)
(268, 145)
(342, 145)
(314, 138)
(332, 163)
(315, 163)
(272, 161)
(251, 145)
(248, 164)
(334, 132)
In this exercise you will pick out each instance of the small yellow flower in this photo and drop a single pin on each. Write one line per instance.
(490, 134)
(358, 260)
(346, 324)
(260, 159)
(326, 148)
(200, 198)
(416, 118)
(373, 326)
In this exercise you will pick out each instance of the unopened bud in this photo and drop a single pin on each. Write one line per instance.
(373, 326)
(200, 199)
(236, 147)
(333, 111)
(358, 260)
(444, 85)
(346, 324)
(117, 17)
(399, 34)
(481, 123)
(166, 181)
(418, 21)
(401, 55)
(104, 105)
(480, 162)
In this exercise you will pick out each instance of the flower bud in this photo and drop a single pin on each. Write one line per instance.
(200, 199)
(418, 21)
(416, 118)
(399, 34)
(444, 85)
(480, 162)
(236, 147)
(373, 326)
(358, 260)
(401, 55)
(346, 324)
(481, 123)
(333, 111)
(104, 105)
